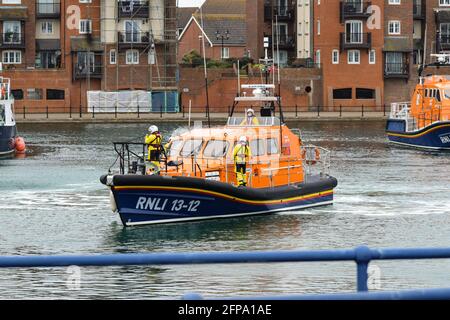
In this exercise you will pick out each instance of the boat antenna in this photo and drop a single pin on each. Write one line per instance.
(204, 65)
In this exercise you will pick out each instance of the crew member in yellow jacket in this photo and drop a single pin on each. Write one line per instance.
(241, 155)
(154, 141)
(250, 119)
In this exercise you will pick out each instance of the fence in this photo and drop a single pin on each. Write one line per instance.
(362, 256)
(137, 111)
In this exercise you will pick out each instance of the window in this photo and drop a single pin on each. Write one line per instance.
(335, 56)
(318, 57)
(54, 94)
(11, 1)
(85, 26)
(34, 94)
(85, 1)
(342, 94)
(17, 94)
(394, 1)
(47, 60)
(354, 32)
(353, 57)
(216, 149)
(445, 32)
(151, 56)
(132, 34)
(444, 3)
(394, 63)
(372, 57)
(112, 56)
(394, 27)
(175, 148)
(12, 32)
(365, 93)
(191, 147)
(257, 147)
(132, 57)
(225, 53)
(47, 27)
(12, 57)
(272, 146)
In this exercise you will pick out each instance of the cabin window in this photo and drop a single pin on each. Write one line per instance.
(2, 114)
(191, 147)
(175, 148)
(257, 147)
(438, 95)
(447, 94)
(216, 149)
(272, 146)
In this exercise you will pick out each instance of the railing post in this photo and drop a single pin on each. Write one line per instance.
(93, 111)
(362, 111)
(296, 112)
(46, 111)
(182, 109)
(318, 111)
(24, 112)
(138, 114)
(80, 111)
(115, 110)
(384, 110)
(70, 111)
(340, 111)
(362, 258)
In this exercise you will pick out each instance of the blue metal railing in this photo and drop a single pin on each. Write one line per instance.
(361, 255)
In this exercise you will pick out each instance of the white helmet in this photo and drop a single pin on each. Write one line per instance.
(243, 139)
(153, 129)
(251, 111)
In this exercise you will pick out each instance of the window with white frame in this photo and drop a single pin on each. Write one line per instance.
(335, 56)
(394, 2)
(12, 57)
(225, 53)
(318, 57)
(11, 1)
(85, 26)
(12, 32)
(112, 56)
(85, 1)
(354, 57)
(394, 27)
(444, 3)
(47, 27)
(372, 56)
(151, 56)
(132, 57)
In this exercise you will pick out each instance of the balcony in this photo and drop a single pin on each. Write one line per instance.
(133, 9)
(286, 42)
(134, 40)
(48, 10)
(83, 71)
(12, 40)
(418, 11)
(354, 10)
(396, 70)
(356, 41)
(444, 42)
(283, 13)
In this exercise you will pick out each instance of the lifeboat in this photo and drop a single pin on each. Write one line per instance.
(197, 178)
(424, 122)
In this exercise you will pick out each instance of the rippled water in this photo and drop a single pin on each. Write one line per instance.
(53, 203)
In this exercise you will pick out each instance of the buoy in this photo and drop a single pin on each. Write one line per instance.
(20, 145)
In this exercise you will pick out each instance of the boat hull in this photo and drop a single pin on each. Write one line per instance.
(152, 199)
(433, 137)
(7, 136)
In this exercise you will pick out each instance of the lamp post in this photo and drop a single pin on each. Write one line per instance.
(223, 37)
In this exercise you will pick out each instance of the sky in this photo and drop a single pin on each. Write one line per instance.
(190, 3)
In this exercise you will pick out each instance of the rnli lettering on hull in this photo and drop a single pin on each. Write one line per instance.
(445, 138)
(158, 204)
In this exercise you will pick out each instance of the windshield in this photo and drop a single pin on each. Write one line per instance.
(216, 148)
(191, 147)
(175, 147)
(447, 94)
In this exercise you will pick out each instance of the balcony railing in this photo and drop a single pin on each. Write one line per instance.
(396, 70)
(283, 13)
(284, 42)
(418, 11)
(354, 9)
(444, 41)
(83, 71)
(356, 41)
(133, 9)
(48, 9)
(136, 40)
(12, 40)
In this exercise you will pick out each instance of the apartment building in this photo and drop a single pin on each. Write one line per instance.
(59, 52)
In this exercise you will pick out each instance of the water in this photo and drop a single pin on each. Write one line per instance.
(53, 203)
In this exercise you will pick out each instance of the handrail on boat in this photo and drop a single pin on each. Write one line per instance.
(362, 256)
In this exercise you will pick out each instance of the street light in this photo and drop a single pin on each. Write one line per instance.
(225, 36)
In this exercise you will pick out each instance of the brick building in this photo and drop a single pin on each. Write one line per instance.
(221, 24)
(56, 51)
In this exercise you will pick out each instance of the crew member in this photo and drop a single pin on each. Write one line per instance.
(250, 119)
(154, 141)
(241, 155)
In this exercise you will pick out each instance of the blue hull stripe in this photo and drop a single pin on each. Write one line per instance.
(436, 136)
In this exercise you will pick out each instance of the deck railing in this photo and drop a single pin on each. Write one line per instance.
(362, 256)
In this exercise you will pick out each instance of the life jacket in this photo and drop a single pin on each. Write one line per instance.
(241, 153)
(154, 141)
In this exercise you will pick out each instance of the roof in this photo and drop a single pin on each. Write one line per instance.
(184, 15)
(223, 15)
